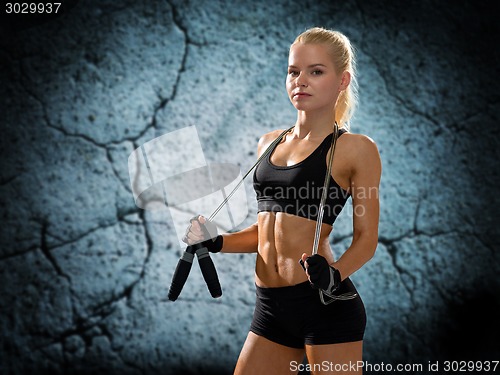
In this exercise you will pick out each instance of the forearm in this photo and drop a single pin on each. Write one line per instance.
(361, 251)
(244, 241)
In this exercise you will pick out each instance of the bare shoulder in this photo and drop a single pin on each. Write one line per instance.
(360, 145)
(267, 139)
(362, 153)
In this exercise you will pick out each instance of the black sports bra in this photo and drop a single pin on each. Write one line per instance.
(297, 189)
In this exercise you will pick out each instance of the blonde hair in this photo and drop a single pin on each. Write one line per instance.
(342, 52)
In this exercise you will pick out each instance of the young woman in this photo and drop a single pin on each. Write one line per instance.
(289, 319)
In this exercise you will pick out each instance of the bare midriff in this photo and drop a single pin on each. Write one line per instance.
(283, 238)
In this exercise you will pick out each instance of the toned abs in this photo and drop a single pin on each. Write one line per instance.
(278, 254)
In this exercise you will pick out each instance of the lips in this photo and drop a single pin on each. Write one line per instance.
(301, 94)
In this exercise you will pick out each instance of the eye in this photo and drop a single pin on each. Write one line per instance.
(317, 72)
(293, 73)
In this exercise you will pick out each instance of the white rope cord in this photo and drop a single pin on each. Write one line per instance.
(319, 221)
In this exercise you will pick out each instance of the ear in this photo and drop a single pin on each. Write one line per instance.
(344, 82)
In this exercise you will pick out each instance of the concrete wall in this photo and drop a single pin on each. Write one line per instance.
(84, 273)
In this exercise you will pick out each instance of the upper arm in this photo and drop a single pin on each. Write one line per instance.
(366, 170)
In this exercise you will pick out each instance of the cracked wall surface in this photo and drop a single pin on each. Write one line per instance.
(84, 273)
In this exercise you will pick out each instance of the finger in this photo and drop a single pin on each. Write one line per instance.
(191, 230)
(192, 238)
(187, 240)
(196, 228)
(304, 259)
(204, 229)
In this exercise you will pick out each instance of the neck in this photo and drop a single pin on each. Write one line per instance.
(313, 124)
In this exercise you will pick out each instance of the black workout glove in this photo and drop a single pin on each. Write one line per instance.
(322, 275)
(214, 245)
(211, 240)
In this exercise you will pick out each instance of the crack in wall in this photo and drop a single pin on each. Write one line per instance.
(451, 127)
(9, 179)
(64, 242)
(490, 247)
(388, 88)
(182, 68)
(127, 292)
(46, 252)
(115, 172)
(19, 253)
(400, 100)
(84, 137)
(81, 326)
(392, 251)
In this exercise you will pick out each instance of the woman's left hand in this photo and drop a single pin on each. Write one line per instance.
(320, 273)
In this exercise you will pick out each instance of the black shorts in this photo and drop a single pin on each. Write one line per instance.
(294, 316)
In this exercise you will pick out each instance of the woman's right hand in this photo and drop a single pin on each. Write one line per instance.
(194, 233)
(204, 231)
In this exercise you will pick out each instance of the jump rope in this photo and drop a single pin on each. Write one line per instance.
(207, 266)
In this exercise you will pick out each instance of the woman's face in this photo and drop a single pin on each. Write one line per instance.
(312, 82)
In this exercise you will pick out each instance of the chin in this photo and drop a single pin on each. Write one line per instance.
(302, 107)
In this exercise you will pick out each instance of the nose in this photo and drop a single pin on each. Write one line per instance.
(301, 80)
